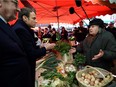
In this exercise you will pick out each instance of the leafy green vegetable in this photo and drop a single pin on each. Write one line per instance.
(72, 38)
(79, 59)
(62, 47)
(58, 36)
(45, 40)
(70, 77)
(52, 74)
(51, 63)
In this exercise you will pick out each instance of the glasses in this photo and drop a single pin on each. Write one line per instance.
(15, 2)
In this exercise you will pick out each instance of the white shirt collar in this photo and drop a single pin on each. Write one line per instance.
(3, 19)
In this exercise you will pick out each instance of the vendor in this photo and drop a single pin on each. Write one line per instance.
(99, 46)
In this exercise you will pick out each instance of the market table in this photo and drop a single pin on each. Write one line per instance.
(39, 71)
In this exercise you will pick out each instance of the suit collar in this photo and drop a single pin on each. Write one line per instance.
(22, 23)
(3, 19)
(7, 29)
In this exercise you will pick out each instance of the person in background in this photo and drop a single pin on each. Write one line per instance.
(39, 36)
(64, 34)
(80, 32)
(112, 29)
(22, 27)
(99, 46)
(14, 66)
(39, 33)
(46, 33)
(53, 35)
(50, 29)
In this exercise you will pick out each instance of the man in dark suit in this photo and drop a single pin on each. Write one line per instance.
(14, 66)
(27, 20)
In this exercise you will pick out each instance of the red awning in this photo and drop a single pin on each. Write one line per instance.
(109, 3)
(55, 11)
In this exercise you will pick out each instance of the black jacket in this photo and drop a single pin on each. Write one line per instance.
(105, 41)
(26, 35)
(14, 66)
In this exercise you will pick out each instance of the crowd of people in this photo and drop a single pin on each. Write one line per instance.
(19, 51)
(78, 32)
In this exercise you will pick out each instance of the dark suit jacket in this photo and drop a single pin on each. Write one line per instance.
(14, 66)
(26, 35)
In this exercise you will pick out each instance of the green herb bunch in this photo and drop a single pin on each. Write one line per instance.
(79, 59)
(62, 47)
(50, 63)
(72, 38)
(71, 79)
(52, 74)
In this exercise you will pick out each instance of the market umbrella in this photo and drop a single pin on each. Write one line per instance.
(109, 3)
(54, 10)
(57, 11)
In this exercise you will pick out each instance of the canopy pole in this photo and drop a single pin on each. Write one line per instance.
(57, 14)
(58, 21)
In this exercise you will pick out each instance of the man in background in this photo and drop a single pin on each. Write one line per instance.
(80, 32)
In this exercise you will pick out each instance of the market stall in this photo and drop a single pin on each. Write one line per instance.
(60, 69)
(57, 11)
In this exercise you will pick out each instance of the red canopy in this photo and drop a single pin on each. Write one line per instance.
(55, 11)
(109, 3)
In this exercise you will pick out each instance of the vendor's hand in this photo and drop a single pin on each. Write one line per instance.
(72, 50)
(49, 46)
(99, 55)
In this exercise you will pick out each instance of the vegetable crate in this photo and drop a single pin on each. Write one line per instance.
(93, 77)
